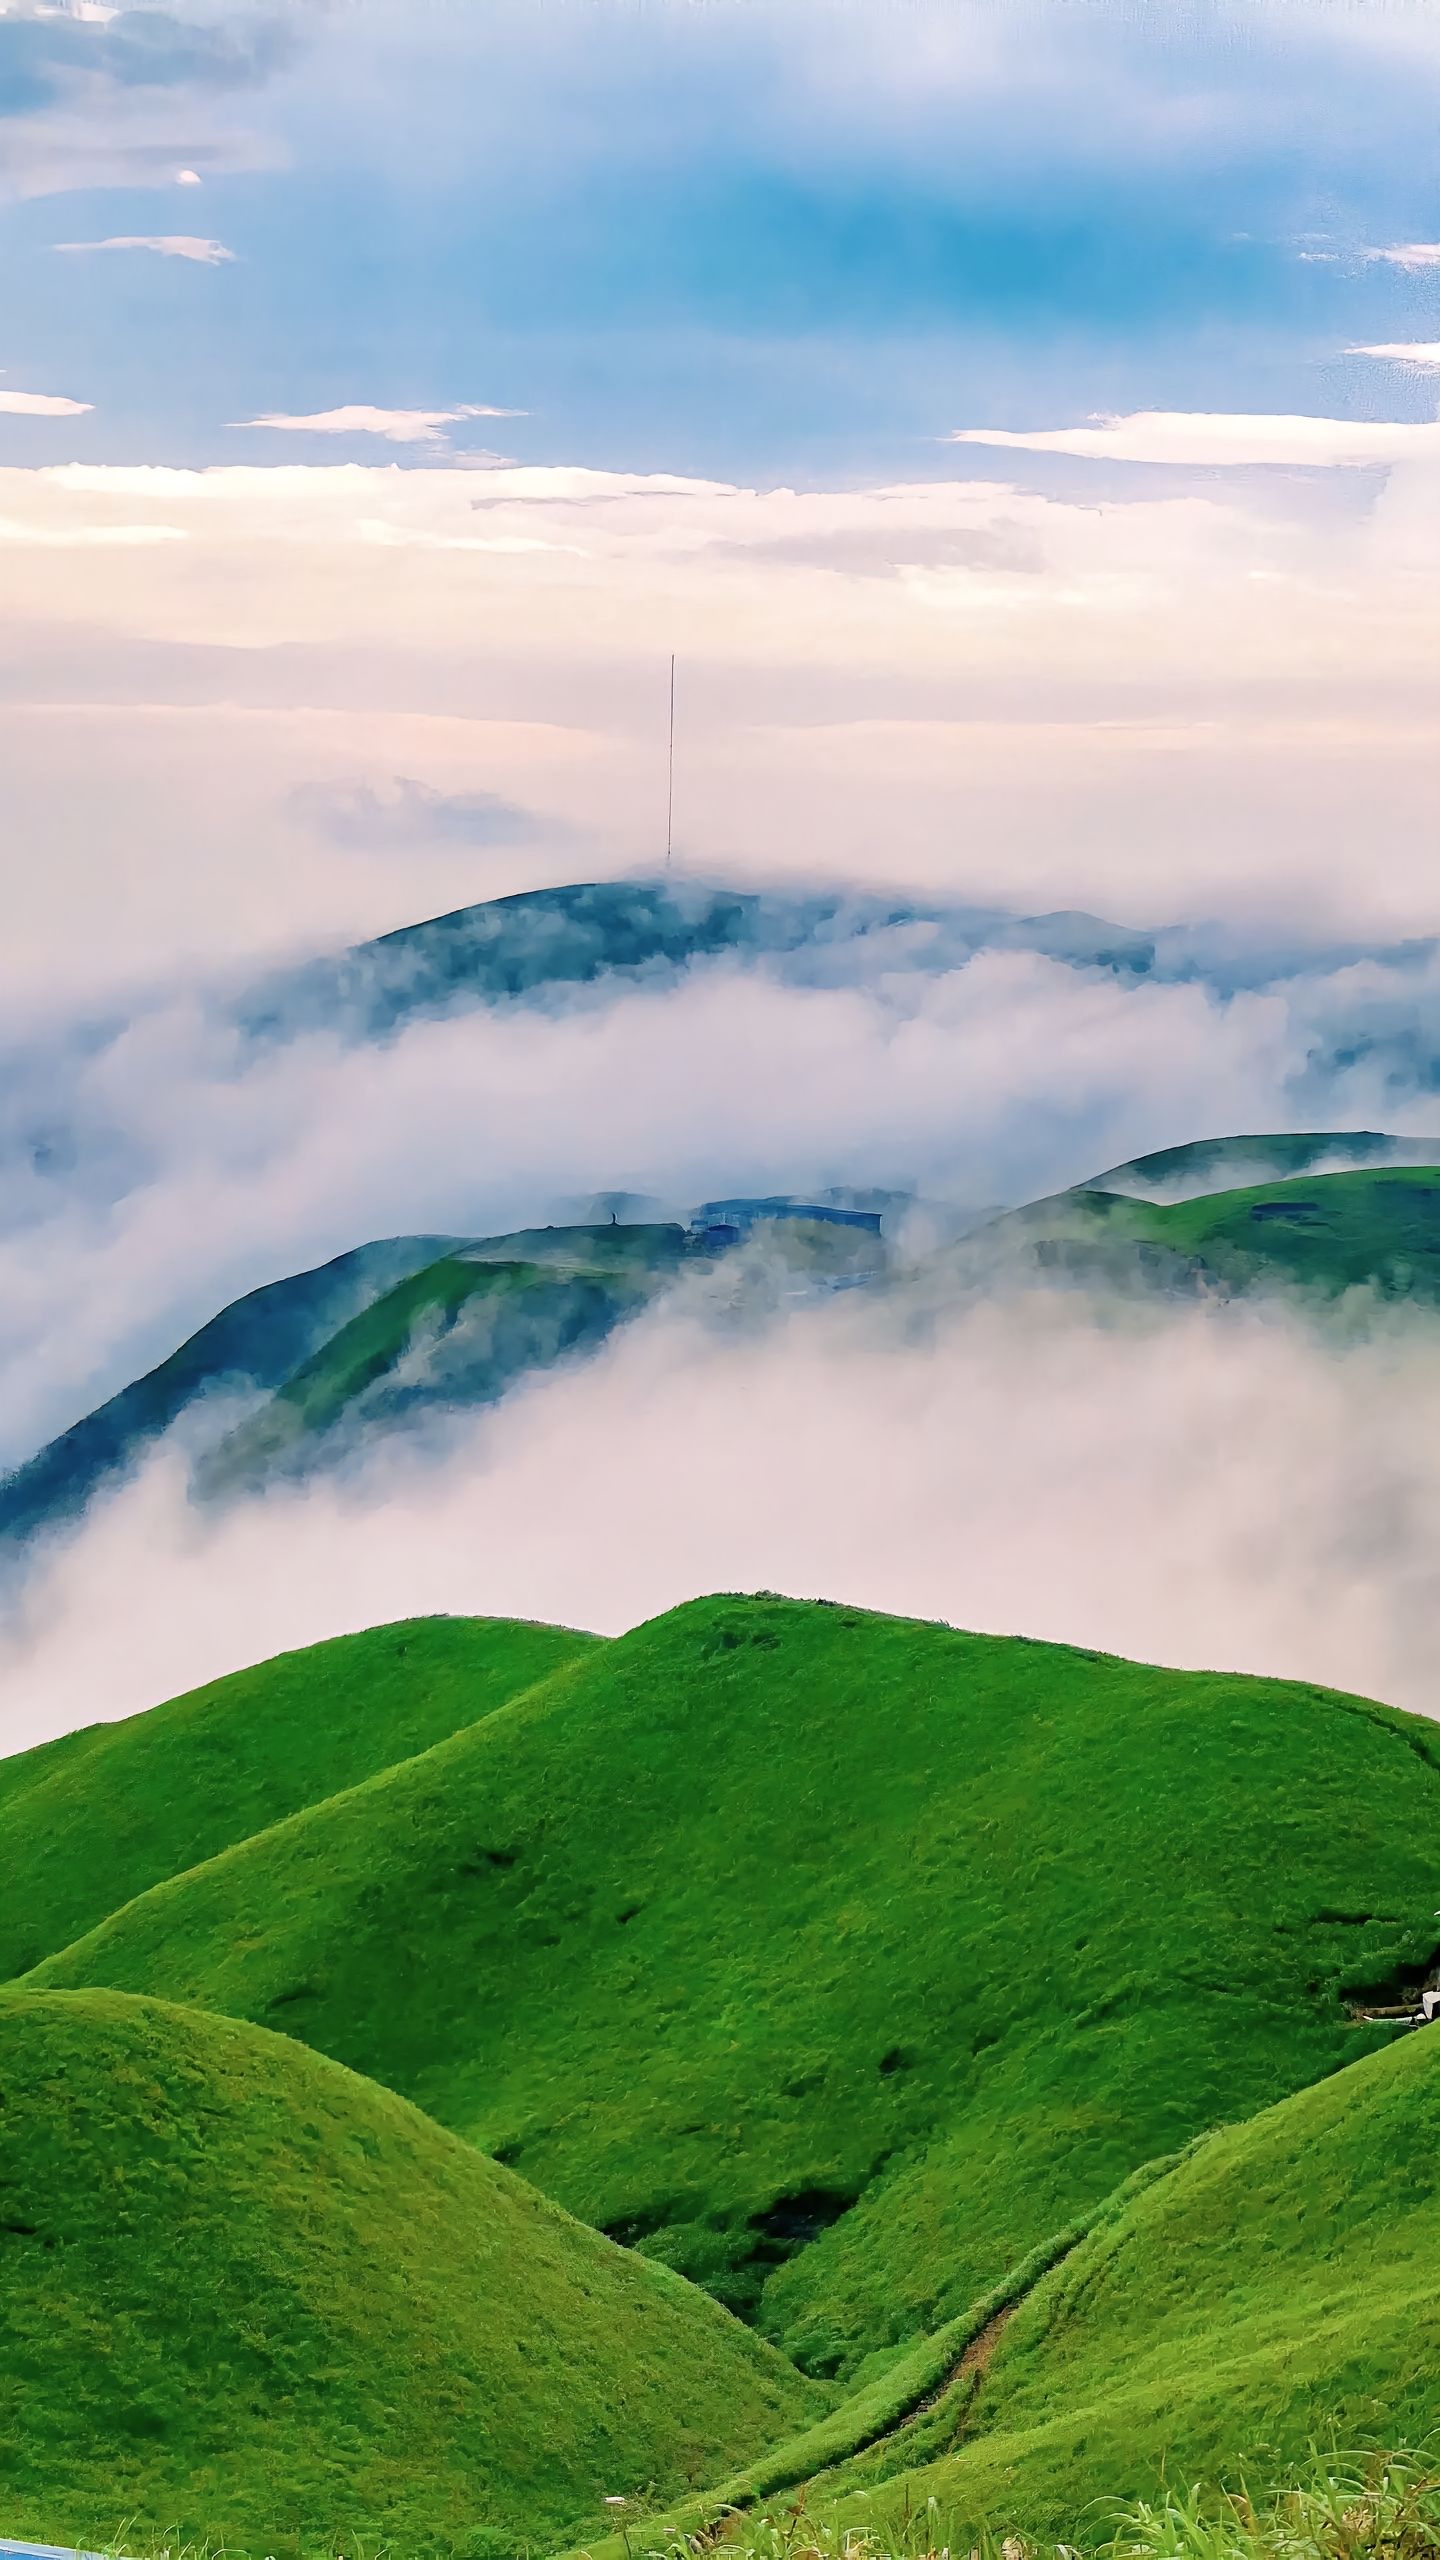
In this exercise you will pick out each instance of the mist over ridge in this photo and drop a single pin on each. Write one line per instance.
(483, 1072)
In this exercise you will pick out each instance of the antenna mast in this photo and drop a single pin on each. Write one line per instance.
(670, 789)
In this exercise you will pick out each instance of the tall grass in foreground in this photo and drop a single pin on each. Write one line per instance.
(1363, 2506)
(1347, 2506)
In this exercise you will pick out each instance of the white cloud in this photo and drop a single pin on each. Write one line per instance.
(1168, 703)
(171, 244)
(1413, 255)
(1202, 439)
(1423, 354)
(188, 178)
(42, 404)
(1211, 1488)
(81, 537)
(999, 1078)
(396, 426)
(392, 537)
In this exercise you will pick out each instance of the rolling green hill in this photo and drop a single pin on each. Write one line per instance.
(99, 1815)
(249, 2300)
(1376, 1229)
(837, 1959)
(258, 1340)
(402, 1330)
(457, 1333)
(1230, 1164)
(1279, 2287)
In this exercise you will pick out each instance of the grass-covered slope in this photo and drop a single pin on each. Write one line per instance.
(1377, 1228)
(258, 1341)
(1281, 2286)
(839, 1958)
(1229, 1164)
(100, 1815)
(457, 1333)
(251, 2300)
(377, 1334)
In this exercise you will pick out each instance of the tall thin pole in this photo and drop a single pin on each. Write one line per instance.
(670, 790)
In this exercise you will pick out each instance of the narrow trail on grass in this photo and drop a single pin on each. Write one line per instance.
(976, 2358)
(910, 2413)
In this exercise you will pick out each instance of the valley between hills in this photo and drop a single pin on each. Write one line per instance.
(464, 2073)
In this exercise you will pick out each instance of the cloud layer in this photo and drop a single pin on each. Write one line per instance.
(394, 426)
(41, 404)
(1197, 1488)
(1162, 436)
(167, 244)
(1177, 699)
(151, 1173)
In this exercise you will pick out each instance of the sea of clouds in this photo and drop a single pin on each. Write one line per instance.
(1199, 1486)
(154, 1169)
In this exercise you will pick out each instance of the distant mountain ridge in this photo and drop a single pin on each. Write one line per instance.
(540, 944)
(541, 941)
(393, 1333)
(256, 1341)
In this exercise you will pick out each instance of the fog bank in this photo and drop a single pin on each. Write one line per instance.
(1218, 1486)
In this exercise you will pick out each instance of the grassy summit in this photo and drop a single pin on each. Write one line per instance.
(249, 2298)
(99, 1815)
(838, 1959)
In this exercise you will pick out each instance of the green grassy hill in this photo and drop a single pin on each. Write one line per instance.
(403, 1329)
(99, 1815)
(1228, 1164)
(457, 1333)
(259, 1340)
(838, 1959)
(1280, 2287)
(1377, 1229)
(250, 2300)
(380, 1331)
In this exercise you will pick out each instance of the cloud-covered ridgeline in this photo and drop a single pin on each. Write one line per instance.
(1204, 1489)
(156, 1167)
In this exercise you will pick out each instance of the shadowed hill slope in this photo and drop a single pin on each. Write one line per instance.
(257, 1341)
(251, 2300)
(544, 945)
(399, 1331)
(1279, 2287)
(838, 1959)
(98, 1816)
(457, 1333)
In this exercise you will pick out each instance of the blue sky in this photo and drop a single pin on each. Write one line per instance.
(751, 265)
(742, 268)
(743, 241)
